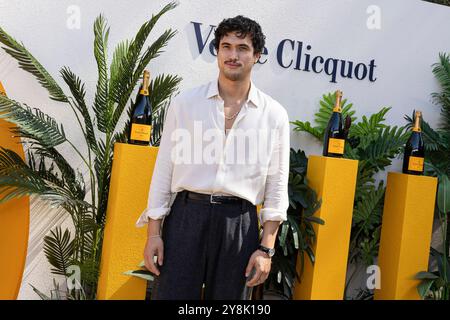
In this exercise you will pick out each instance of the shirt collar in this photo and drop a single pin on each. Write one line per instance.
(213, 91)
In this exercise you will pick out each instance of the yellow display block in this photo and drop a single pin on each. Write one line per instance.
(14, 226)
(334, 180)
(405, 234)
(123, 243)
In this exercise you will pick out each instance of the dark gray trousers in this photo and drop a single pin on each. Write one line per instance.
(208, 244)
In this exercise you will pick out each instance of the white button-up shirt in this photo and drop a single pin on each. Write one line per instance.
(250, 161)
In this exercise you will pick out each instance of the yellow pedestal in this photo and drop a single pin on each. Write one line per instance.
(334, 180)
(14, 226)
(405, 234)
(123, 243)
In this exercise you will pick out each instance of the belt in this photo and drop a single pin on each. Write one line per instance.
(210, 198)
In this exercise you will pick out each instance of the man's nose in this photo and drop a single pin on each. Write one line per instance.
(234, 54)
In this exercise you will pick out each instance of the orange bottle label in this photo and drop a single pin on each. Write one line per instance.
(336, 145)
(140, 132)
(415, 164)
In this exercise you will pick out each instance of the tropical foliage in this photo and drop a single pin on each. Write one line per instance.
(374, 144)
(47, 173)
(436, 284)
(296, 236)
(443, 2)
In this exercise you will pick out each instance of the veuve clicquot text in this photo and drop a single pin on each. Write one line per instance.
(414, 155)
(141, 115)
(334, 142)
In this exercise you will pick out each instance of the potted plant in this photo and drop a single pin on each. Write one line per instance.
(48, 174)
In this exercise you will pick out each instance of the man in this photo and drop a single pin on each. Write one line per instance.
(210, 232)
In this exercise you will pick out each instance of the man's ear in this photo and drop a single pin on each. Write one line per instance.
(257, 56)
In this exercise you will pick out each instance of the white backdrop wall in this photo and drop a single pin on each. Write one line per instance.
(403, 37)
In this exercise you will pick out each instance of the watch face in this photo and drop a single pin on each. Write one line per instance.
(270, 252)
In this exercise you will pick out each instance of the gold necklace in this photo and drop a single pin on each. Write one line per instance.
(234, 115)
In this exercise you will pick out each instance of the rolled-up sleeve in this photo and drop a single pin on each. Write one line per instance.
(159, 196)
(276, 199)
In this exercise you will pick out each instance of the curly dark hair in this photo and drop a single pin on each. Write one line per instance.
(242, 26)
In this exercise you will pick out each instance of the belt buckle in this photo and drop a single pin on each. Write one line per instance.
(212, 201)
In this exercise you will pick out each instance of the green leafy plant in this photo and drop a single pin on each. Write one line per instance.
(374, 144)
(443, 2)
(145, 274)
(436, 284)
(142, 273)
(58, 294)
(47, 173)
(296, 236)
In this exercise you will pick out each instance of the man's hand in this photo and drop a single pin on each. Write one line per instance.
(262, 264)
(154, 247)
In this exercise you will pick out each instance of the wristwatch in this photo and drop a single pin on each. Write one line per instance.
(269, 251)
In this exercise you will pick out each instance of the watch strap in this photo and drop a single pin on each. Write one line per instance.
(269, 251)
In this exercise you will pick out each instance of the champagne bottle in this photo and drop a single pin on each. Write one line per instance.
(334, 142)
(141, 115)
(413, 157)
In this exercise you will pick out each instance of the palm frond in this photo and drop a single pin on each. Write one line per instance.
(441, 71)
(384, 147)
(17, 185)
(74, 181)
(162, 88)
(152, 52)
(117, 67)
(38, 126)
(102, 165)
(125, 75)
(18, 180)
(306, 127)
(102, 109)
(58, 249)
(158, 124)
(371, 126)
(41, 295)
(29, 63)
(78, 91)
(90, 271)
(48, 173)
(86, 227)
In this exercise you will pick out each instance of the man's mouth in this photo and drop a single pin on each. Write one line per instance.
(232, 64)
